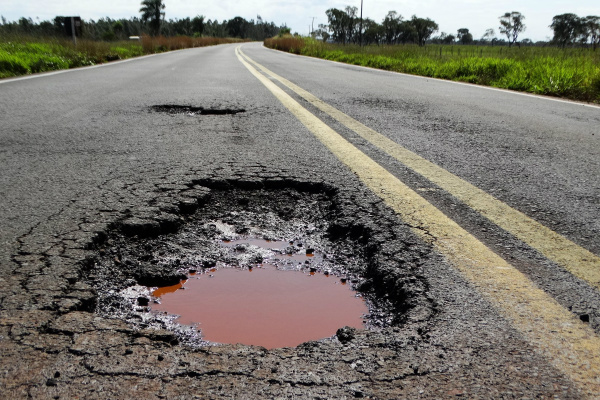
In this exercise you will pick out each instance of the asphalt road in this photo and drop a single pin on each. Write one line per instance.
(82, 151)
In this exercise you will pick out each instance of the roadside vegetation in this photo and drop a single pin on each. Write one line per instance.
(568, 66)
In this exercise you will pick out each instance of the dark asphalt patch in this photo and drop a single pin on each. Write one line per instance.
(191, 110)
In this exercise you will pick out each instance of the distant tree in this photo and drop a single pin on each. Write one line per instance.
(215, 29)
(322, 32)
(511, 24)
(198, 25)
(372, 32)
(566, 27)
(237, 27)
(464, 36)
(449, 39)
(424, 28)
(338, 21)
(352, 22)
(26, 25)
(152, 10)
(47, 28)
(391, 26)
(118, 28)
(488, 36)
(407, 32)
(592, 25)
(443, 38)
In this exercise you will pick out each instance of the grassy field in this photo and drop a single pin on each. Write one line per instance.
(567, 73)
(22, 55)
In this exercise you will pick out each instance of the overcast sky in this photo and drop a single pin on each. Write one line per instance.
(476, 15)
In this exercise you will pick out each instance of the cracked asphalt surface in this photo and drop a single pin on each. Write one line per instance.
(87, 162)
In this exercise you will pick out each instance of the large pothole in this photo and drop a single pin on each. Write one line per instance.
(282, 230)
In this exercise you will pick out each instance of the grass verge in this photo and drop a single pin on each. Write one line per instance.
(23, 55)
(566, 73)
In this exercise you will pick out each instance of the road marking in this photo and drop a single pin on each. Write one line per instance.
(578, 261)
(571, 346)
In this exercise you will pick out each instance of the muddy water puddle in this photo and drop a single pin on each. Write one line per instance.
(276, 303)
(263, 306)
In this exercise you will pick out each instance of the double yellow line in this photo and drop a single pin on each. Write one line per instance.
(570, 345)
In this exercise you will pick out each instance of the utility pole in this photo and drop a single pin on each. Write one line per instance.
(312, 26)
(360, 26)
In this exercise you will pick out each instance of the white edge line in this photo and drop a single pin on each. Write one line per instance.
(472, 85)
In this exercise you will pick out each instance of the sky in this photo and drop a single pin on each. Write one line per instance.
(450, 15)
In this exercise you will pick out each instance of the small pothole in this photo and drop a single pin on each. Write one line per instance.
(191, 110)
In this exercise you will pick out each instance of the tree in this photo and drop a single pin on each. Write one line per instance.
(338, 22)
(152, 10)
(511, 24)
(118, 29)
(566, 28)
(448, 39)
(391, 26)
(488, 36)
(592, 24)
(424, 28)
(198, 25)
(322, 32)
(407, 33)
(464, 36)
(372, 32)
(237, 27)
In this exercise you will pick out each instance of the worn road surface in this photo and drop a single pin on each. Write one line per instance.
(472, 212)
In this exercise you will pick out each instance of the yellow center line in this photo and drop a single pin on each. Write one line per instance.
(574, 258)
(571, 346)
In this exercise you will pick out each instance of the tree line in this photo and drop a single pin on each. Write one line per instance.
(118, 29)
(346, 27)
(151, 22)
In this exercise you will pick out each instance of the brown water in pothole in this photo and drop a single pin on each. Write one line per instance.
(263, 306)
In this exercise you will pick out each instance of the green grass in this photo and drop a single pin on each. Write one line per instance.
(567, 73)
(24, 55)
